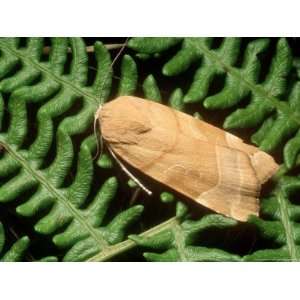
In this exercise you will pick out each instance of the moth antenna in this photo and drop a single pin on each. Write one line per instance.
(98, 133)
(96, 118)
(123, 167)
(111, 66)
(101, 138)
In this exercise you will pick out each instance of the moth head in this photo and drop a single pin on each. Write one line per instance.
(121, 121)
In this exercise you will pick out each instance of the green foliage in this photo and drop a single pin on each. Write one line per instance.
(48, 173)
(280, 224)
(76, 224)
(175, 241)
(152, 45)
(273, 104)
(17, 250)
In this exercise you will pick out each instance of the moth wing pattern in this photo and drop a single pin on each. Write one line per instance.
(204, 163)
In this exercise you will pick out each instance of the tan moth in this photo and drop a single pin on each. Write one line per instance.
(204, 163)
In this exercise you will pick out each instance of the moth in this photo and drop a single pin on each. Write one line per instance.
(204, 163)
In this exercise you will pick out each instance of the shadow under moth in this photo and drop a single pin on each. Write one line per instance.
(204, 163)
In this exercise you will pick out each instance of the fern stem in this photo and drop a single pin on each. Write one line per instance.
(284, 215)
(179, 242)
(288, 228)
(89, 49)
(119, 248)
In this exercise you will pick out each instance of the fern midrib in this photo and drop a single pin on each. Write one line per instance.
(281, 106)
(77, 90)
(179, 242)
(288, 227)
(113, 250)
(55, 192)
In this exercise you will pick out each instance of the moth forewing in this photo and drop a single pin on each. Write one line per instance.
(206, 164)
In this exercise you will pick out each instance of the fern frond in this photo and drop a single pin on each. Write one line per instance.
(292, 150)
(280, 224)
(175, 242)
(76, 224)
(65, 97)
(274, 106)
(152, 45)
(17, 250)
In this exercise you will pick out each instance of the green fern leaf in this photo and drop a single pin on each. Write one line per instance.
(75, 228)
(273, 105)
(175, 239)
(280, 223)
(17, 250)
(152, 45)
(66, 97)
